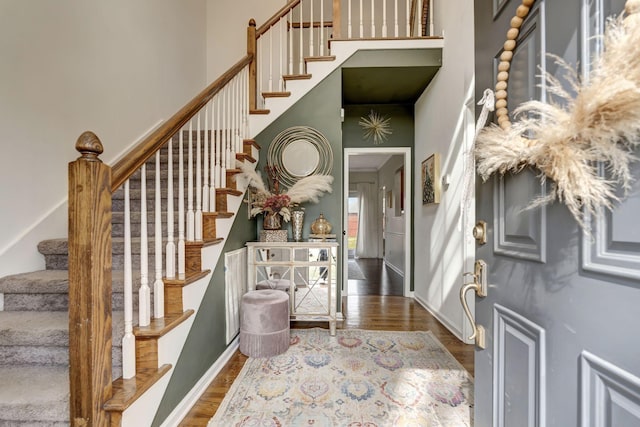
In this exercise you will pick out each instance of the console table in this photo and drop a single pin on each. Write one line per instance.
(307, 269)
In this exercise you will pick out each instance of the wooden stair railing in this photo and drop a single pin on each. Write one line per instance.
(91, 186)
(281, 56)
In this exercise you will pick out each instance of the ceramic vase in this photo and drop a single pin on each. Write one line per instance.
(272, 221)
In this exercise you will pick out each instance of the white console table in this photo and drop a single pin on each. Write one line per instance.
(309, 267)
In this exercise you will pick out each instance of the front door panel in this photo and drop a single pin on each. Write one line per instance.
(562, 307)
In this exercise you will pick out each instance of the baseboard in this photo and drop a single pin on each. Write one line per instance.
(394, 268)
(442, 319)
(183, 408)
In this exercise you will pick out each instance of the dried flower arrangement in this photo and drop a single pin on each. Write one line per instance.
(270, 198)
(566, 139)
(376, 126)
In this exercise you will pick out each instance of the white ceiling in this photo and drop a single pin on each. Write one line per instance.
(367, 162)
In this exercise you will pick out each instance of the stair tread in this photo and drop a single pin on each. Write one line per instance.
(44, 328)
(48, 328)
(34, 393)
(41, 281)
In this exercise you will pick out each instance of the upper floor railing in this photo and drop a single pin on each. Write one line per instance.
(302, 31)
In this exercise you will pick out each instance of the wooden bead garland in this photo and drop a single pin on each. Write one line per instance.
(502, 112)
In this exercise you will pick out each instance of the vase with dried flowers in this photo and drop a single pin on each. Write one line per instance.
(275, 204)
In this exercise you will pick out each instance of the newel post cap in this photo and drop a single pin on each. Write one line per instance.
(89, 146)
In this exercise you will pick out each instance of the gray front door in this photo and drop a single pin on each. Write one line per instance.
(562, 312)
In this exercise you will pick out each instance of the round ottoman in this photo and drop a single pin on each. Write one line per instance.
(264, 323)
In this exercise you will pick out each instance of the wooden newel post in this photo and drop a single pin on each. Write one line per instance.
(89, 284)
(336, 19)
(253, 65)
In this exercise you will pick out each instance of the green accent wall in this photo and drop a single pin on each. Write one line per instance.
(319, 109)
(206, 340)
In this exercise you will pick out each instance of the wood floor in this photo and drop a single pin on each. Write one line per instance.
(373, 312)
(379, 279)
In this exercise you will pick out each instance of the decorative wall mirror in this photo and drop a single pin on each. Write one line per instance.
(298, 152)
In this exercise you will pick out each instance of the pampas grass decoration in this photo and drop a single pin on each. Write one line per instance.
(305, 190)
(569, 137)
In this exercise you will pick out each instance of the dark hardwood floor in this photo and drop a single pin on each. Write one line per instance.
(378, 278)
(373, 312)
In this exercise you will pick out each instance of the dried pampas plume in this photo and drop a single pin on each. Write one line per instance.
(568, 138)
(305, 190)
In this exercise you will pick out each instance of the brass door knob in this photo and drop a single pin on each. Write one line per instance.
(480, 232)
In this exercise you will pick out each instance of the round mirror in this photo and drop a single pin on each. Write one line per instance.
(300, 158)
(298, 152)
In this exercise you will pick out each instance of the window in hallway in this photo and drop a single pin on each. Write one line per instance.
(352, 226)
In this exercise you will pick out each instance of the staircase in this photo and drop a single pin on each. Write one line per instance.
(34, 329)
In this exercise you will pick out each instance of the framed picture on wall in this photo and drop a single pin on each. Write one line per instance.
(431, 179)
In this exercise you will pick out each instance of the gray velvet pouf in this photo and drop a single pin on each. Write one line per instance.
(264, 323)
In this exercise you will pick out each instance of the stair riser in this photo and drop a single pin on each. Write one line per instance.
(39, 355)
(61, 261)
(57, 302)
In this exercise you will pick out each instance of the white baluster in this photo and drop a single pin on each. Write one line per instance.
(349, 20)
(181, 213)
(214, 178)
(280, 51)
(260, 72)
(321, 53)
(301, 46)
(270, 59)
(191, 216)
(245, 102)
(144, 293)
(229, 139)
(408, 14)
(171, 246)
(431, 32)
(290, 36)
(419, 15)
(373, 20)
(311, 29)
(239, 147)
(395, 18)
(128, 340)
(158, 284)
(218, 140)
(361, 21)
(198, 178)
(205, 176)
(384, 18)
(223, 129)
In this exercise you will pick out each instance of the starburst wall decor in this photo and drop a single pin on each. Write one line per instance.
(375, 126)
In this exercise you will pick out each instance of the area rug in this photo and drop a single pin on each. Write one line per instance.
(356, 379)
(355, 272)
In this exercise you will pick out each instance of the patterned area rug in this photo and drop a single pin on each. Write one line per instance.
(356, 379)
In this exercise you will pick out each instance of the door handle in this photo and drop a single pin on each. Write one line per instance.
(479, 285)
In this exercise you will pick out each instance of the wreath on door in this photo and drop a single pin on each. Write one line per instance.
(568, 138)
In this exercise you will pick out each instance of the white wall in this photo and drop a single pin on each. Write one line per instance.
(227, 23)
(395, 234)
(440, 127)
(115, 67)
